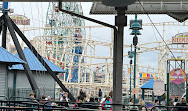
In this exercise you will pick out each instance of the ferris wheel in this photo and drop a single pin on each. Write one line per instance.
(64, 45)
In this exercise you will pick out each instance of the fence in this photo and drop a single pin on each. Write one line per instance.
(24, 93)
(170, 108)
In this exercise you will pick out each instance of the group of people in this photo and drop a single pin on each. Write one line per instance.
(177, 105)
(141, 104)
(105, 101)
(43, 100)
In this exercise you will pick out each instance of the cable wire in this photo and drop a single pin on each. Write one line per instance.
(158, 31)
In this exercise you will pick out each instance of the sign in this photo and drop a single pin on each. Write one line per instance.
(129, 70)
(181, 38)
(134, 90)
(20, 19)
(177, 76)
(158, 87)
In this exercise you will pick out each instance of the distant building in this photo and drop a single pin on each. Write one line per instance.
(18, 84)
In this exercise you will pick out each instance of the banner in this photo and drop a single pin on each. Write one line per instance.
(20, 19)
(177, 76)
(181, 38)
(158, 87)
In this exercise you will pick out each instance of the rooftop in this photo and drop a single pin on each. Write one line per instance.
(7, 57)
(35, 64)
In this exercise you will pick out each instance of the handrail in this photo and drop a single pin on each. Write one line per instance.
(167, 107)
(5, 97)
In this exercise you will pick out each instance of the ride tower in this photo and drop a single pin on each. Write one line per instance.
(64, 39)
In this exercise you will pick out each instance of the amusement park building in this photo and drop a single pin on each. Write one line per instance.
(6, 59)
(16, 79)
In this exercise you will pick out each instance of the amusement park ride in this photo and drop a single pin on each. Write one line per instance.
(74, 51)
(66, 43)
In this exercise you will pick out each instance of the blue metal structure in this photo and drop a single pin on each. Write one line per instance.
(4, 6)
(35, 64)
(78, 50)
(148, 85)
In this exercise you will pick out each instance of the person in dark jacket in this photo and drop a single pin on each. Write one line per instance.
(100, 94)
(182, 103)
(82, 93)
(32, 97)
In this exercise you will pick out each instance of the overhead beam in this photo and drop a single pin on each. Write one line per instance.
(176, 9)
(51, 0)
(86, 0)
(158, 7)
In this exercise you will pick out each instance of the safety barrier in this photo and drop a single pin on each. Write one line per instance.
(170, 108)
(9, 105)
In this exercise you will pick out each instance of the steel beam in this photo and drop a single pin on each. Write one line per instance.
(152, 7)
(22, 56)
(120, 22)
(41, 59)
(1, 26)
(87, 0)
(168, 83)
(86, 18)
(0, 32)
(51, 0)
(4, 34)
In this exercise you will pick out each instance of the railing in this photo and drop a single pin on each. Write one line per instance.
(170, 108)
(9, 105)
(6, 98)
(31, 106)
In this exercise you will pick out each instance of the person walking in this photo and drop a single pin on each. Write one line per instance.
(100, 94)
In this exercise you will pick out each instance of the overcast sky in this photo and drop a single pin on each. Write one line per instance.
(37, 13)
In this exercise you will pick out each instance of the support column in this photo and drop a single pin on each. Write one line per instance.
(4, 35)
(168, 87)
(120, 22)
(143, 94)
(22, 56)
(153, 96)
(14, 83)
(134, 74)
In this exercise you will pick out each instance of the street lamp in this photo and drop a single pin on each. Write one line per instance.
(131, 54)
(135, 26)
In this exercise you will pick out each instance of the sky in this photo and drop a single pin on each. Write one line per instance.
(37, 13)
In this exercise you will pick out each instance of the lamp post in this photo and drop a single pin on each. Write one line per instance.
(131, 54)
(135, 26)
